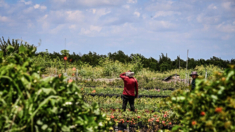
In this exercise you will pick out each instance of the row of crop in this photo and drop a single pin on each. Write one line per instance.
(118, 95)
(107, 103)
(164, 89)
(118, 91)
(136, 127)
(115, 83)
(143, 82)
(150, 114)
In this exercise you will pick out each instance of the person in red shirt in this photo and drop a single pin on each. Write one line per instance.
(130, 86)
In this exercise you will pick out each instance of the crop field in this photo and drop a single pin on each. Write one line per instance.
(43, 94)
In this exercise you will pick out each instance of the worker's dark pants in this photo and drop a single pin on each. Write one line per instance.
(129, 99)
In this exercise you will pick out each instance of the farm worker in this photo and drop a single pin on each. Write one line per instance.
(194, 75)
(130, 87)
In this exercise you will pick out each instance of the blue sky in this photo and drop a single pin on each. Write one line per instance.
(148, 27)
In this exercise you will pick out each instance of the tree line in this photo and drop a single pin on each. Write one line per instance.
(164, 63)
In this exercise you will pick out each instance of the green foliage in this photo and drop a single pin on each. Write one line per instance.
(110, 67)
(30, 103)
(118, 91)
(14, 43)
(164, 63)
(211, 106)
(65, 52)
(137, 65)
(201, 70)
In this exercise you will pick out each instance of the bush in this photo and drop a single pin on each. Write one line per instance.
(14, 43)
(30, 103)
(211, 106)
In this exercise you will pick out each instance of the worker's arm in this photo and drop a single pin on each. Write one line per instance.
(123, 75)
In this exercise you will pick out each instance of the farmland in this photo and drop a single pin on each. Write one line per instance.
(41, 93)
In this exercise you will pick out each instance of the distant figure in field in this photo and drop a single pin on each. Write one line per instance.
(130, 86)
(194, 75)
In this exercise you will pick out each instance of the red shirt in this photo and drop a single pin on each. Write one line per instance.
(129, 85)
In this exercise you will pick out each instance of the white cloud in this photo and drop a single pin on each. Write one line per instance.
(137, 14)
(189, 18)
(157, 25)
(72, 26)
(26, 2)
(42, 19)
(124, 30)
(43, 7)
(226, 5)
(212, 6)
(46, 25)
(161, 5)
(36, 6)
(96, 2)
(57, 29)
(91, 31)
(93, 11)
(206, 27)
(61, 1)
(132, 1)
(144, 16)
(226, 37)
(202, 18)
(28, 10)
(126, 6)
(226, 28)
(61, 17)
(75, 16)
(102, 12)
(86, 3)
(4, 19)
(111, 20)
(234, 22)
(30, 25)
(199, 18)
(2, 3)
(165, 13)
(84, 31)
(95, 28)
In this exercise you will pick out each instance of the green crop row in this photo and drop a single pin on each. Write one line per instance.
(155, 104)
(118, 91)
(143, 82)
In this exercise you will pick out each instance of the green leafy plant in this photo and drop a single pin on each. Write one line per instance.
(137, 65)
(30, 103)
(14, 43)
(211, 106)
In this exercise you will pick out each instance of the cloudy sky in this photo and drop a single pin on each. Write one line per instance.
(148, 27)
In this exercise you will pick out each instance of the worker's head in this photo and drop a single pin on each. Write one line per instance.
(130, 74)
(194, 75)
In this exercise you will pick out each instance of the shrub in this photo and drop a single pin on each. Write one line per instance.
(211, 106)
(14, 43)
(30, 103)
